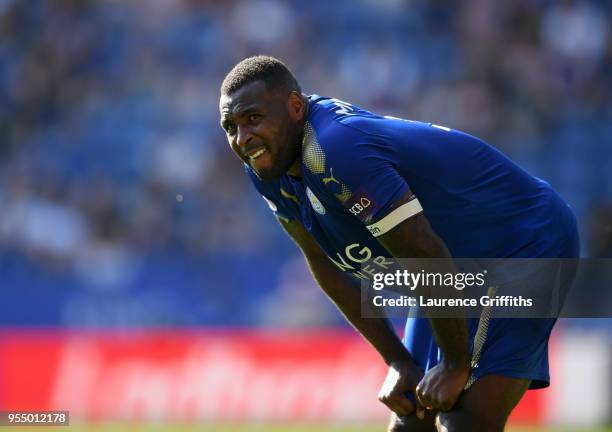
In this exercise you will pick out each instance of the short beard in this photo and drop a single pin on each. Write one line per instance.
(286, 159)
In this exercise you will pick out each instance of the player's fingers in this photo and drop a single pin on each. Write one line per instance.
(422, 397)
(420, 411)
(396, 409)
(405, 404)
(437, 401)
(445, 404)
(401, 406)
(397, 403)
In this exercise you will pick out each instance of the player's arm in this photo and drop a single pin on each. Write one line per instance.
(378, 331)
(441, 386)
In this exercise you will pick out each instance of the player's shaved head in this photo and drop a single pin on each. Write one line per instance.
(273, 72)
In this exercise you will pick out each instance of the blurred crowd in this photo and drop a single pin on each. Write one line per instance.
(120, 203)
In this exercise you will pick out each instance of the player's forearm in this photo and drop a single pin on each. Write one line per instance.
(416, 239)
(452, 338)
(451, 334)
(347, 297)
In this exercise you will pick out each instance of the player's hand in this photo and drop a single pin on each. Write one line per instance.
(401, 378)
(441, 386)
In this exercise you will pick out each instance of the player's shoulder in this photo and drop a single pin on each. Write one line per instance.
(338, 125)
(333, 118)
(337, 130)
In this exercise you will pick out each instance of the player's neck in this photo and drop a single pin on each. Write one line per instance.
(295, 170)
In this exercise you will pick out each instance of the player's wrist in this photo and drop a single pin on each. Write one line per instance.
(409, 370)
(398, 356)
(404, 362)
(459, 365)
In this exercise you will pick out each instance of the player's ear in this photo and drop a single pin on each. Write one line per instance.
(296, 106)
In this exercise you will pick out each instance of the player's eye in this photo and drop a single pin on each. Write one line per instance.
(253, 118)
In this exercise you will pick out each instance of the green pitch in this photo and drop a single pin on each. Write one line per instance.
(248, 428)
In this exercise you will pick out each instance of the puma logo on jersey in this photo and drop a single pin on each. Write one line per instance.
(331, 177)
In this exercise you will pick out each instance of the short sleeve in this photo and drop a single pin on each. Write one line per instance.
(362, 172)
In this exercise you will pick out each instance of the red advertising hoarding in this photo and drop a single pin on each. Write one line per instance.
(204, 376)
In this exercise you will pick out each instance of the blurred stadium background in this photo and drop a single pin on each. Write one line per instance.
(142, 279)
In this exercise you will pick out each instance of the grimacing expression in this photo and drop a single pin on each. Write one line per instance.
(260, 129)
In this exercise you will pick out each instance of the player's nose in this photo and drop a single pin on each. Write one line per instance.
(244, 137)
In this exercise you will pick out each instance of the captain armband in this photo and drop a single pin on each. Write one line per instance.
(400, 214)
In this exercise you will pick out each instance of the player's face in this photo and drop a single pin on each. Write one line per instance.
(263, 128)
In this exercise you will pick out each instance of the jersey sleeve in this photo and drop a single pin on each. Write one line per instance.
(272, 193)
(362, 172)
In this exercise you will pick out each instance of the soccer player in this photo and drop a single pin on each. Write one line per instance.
(350, 186)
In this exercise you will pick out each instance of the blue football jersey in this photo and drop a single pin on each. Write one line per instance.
(356, 165)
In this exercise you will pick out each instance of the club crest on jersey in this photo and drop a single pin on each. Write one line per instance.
(314, 201)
